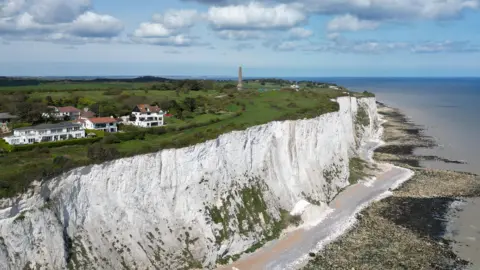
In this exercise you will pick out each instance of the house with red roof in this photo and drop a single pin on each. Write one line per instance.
(60, 113)
(86, 113)
(144, 115)
(107, 124)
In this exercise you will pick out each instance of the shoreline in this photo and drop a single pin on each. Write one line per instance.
(294, 249)
(407, 230)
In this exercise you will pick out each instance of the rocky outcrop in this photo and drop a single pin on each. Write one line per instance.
(189, 207)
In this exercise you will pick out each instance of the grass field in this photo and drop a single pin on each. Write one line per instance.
(216, 112)
(70, 86)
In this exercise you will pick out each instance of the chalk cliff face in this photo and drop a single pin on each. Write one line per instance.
(188, 207)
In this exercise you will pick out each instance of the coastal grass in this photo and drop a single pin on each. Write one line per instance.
(241, 110)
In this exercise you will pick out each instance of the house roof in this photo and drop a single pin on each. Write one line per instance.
(80, 120)
(87, 114)
(51, 126)
(148, 108)
(102, 120)
(68, 109)
(6, 115)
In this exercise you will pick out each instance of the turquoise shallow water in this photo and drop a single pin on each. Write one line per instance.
(448, 107)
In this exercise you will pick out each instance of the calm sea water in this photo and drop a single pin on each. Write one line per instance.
(450, 110)
(448, 107)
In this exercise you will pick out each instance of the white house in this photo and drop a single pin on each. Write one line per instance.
(46, 133)
(144, 115)
(295, 86)
(60, 113)
(107, 124)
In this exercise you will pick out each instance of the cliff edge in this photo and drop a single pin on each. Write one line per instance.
(185, 208)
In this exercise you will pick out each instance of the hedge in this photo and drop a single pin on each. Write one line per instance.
(83, 141)
(5, 146)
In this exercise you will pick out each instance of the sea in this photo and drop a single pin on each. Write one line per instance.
(449, 109)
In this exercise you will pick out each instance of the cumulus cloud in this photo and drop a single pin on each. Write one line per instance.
(151, 30)
(255, 16)
(177, 19)
(90, 24)
(168, 29)
(350, 23)
(47, 20)
(45, 11)
(375, 9)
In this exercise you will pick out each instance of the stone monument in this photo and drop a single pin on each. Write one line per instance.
(240, 79)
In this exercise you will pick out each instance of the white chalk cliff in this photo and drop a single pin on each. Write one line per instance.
(184, 208)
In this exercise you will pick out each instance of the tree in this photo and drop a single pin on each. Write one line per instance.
(30, 112)
(49, 101)
(166, 104)
(208, 85)
(95, 108)
(190, 103)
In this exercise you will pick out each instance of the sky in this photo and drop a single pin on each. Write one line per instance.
(277, 38)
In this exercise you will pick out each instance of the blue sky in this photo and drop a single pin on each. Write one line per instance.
(213, 37)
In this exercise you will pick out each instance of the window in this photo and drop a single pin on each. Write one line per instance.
(31, 140)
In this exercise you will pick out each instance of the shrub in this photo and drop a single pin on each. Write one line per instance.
(368, 94)
(41, 150)
(111, 139)
(60, 160)
(100, 153)
(28, 147)
(5, 146)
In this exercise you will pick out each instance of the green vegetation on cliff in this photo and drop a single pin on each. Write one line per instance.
(202, 110)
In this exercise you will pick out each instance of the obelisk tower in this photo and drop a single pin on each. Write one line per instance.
(240, 79)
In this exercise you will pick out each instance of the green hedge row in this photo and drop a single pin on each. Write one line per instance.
(28, 147)
(5, 146)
